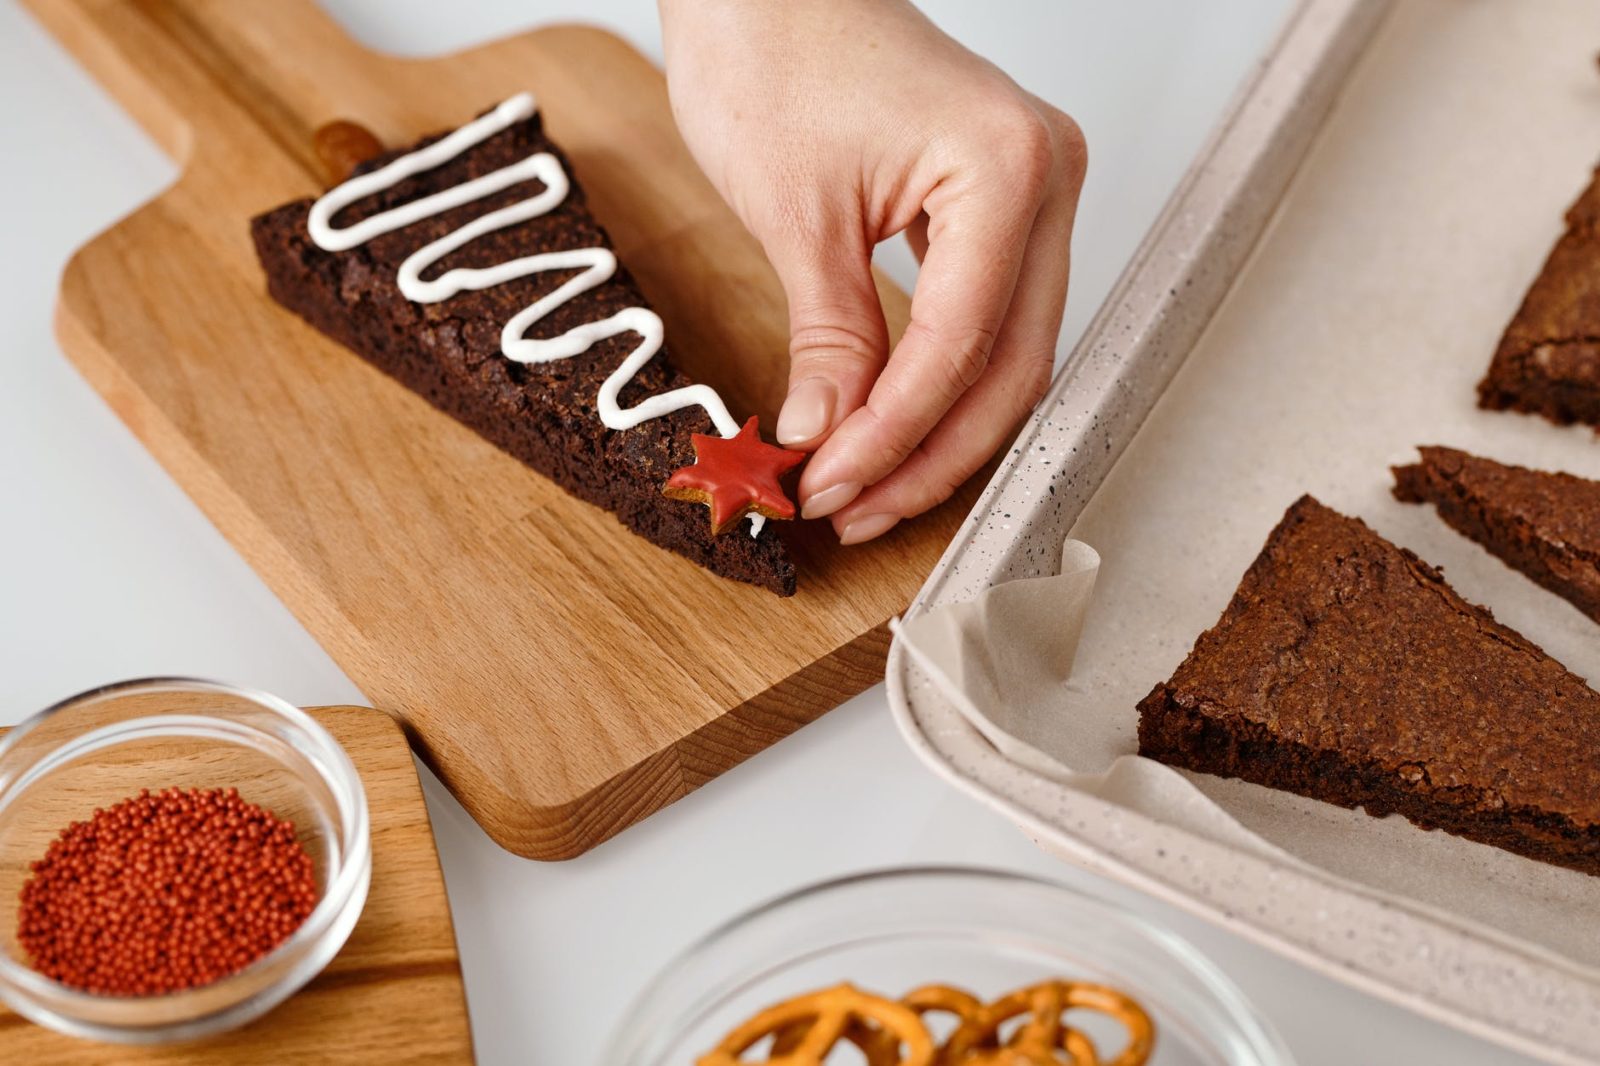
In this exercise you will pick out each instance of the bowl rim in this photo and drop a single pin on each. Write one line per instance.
(355, 847)
(1252, 1025)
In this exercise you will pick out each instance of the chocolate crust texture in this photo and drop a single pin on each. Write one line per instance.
(1548, 360)
(1543, 524)
(1346, 669)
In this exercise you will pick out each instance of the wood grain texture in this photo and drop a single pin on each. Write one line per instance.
(563, 677)
(393, 995)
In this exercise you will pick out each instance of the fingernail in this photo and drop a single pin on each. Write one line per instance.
(866, 527)
(824, 503)
(807, 412)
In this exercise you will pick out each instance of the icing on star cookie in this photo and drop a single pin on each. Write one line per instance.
(736, 476)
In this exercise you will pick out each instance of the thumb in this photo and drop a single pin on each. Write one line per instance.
(837, 338)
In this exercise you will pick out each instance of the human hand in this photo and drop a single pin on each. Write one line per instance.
(831, 125)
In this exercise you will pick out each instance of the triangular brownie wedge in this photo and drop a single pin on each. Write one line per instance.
(469, 268)
(1546, 525)
(1347, 670)
(1548, 361)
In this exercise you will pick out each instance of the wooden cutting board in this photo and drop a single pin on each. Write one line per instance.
(563, 677)
(393, 994)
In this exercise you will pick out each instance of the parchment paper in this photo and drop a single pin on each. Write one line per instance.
(1357, 331)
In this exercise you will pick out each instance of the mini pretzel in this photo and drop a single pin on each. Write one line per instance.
(880, 1047)
(941, 999)
(1034, 1044)
(965, 1006)
(877, 1047)
(944, 999)
(976, 1042)
(839, 1013)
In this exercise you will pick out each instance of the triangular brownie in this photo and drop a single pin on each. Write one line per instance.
(1546, 525)
(1347, 670)
(1548, 361)
(448, 347)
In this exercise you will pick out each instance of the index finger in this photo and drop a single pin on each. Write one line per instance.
(976, 238)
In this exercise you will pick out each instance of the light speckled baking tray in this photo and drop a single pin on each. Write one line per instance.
(1450, 966)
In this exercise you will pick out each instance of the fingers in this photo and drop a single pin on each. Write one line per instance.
(955, 450)
(838, 340)
(1017, 377)
(977, 229)
(976, 427)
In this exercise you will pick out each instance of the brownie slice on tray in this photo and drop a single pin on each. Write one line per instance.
(1546, 525)
(1548, 361)
(548, 409)
(1346, 669)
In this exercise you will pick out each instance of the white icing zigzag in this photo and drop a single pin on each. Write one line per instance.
(596, 265)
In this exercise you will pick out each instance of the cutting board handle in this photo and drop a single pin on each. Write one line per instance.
(186, 69)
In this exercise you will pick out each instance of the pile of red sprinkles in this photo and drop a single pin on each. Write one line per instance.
(165, 891)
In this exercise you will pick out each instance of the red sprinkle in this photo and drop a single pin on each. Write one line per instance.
(165, 891)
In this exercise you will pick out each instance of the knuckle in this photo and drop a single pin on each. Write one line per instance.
(1070, 146)
(958, 355)
(1035, 383)
(1028, 151)
(966, 356)
(833, 346)
(936, 479)
(896, 440)
(1040, 147)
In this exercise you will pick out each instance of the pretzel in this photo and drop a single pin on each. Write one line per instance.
(965, 1006)
(877, 1047)
(945, 999)
(805, 1030)
(833, 1014)
(976, 1042)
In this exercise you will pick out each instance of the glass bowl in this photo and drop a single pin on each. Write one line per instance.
(103, 746)
(984, 931)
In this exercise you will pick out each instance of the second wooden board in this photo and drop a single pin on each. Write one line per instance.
(393, 994)
(563, 677)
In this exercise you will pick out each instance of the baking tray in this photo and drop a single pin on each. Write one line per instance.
(1223, 267)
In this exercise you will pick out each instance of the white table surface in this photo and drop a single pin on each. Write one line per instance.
(111, 572)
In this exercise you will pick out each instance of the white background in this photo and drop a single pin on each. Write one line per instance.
(110, 572)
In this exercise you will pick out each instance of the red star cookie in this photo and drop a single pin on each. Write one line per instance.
(736, 476)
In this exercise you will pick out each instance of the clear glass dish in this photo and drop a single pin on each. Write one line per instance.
(101, 747)
(987, 932)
